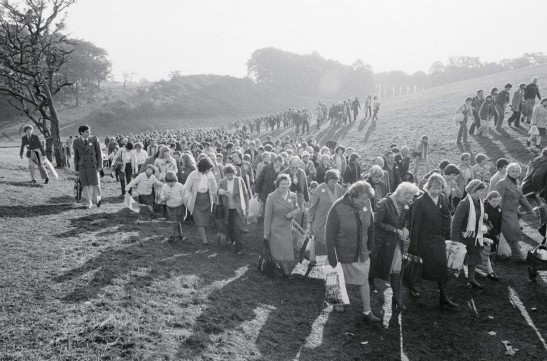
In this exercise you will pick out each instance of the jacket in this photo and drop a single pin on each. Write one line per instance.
(516, 102)
(503, 97)
(32, 144)
(531, 91)
(238, 198)
(539, 116)
(403, 164)
(487, 111)
(264, 184)
(347, 240)
(535, 179)
(353, 173)
(191, 189)
(301, 187)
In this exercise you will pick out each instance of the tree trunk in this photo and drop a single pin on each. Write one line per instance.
(55, 131)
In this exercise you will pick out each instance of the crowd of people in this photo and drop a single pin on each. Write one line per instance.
(340, 112)
(365, 217)
(483, 110)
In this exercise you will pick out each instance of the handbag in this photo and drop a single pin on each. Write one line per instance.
(265, 264)
(219, 211)
(411, 271)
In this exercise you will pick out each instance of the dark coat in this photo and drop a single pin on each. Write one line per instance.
(536, 176)
(237, 197)
(393, 177)
(459, 225)
(320, 175)
(404, 165)
(386, 223)
(429, 229)
(32, 144)
(264, 184)
(301, 188)
(88, 160)
(353, 173)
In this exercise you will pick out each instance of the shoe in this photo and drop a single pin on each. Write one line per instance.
(414, 293)
(47, 180)
(493, 277)
(446, 303)
(395, 282)
(371, 317)
(474, 284)
(99, 204)
(33, 181)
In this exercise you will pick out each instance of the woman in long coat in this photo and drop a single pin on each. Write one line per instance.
(511, 198)
(322, 199)
(470, 233)
(88, 162)
(430, 228)
(391, 219)
(281, 207)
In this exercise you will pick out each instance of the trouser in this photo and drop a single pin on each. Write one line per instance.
(515, 117)
(35, 161)
(462, 132)
(484, 129)
(529, 109)
(305, 127)
(501, 115)
(476, 124)
(175, 215)
(368, 111)
(375, 115)
(92, 193)
(234, 228)
(355, 112)
(125, 175)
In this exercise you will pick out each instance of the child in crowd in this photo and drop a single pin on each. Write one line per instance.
(466, 172)
(501, 166)
(492, 215)
(421, 155)
(172, 194)
(145, 183)
(479, 170)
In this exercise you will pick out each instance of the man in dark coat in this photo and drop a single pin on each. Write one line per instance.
(535, 180)
(530, 93)
(355, 105)
(88, 162)
(264, 184)
(35, 153)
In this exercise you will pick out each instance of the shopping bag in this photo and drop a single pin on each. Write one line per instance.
(255, 207)
(130, 203)
(335, 285)
(412, 271)
(533, 130)
(504, 250)
(455, 254)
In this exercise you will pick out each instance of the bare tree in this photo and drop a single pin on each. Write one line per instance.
(33, 51)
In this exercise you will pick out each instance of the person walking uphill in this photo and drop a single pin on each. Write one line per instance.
(35, 153)
(467, 112)
(350, 239)
(88, 162)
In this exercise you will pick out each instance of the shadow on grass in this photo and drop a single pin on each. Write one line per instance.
(34, 211)
(25, 184)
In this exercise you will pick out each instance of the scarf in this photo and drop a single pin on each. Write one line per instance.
(470, 231)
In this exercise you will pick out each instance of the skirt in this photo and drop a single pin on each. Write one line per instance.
(147, 199)
(356, 273)
(202, 210)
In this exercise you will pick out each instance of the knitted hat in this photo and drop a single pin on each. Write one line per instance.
(474, 186)
(305, 154)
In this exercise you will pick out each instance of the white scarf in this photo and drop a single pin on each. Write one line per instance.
(470, 231)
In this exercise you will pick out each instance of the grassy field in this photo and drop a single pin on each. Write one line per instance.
(100, 284)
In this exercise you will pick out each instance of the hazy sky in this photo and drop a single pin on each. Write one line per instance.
(155, 37)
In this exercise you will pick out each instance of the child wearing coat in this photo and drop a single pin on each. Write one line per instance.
(492, 213)
(172, 194)
(145, 183)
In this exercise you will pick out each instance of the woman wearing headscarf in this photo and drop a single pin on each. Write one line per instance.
(430, 228)
(280, 210)
(350, 237)
(200, 195)
(324, 166)
(353, 170)
(511, 198)
(391, 222)
(467, 228)
(321, 201)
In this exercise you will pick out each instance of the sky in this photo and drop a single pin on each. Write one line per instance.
(152, 38)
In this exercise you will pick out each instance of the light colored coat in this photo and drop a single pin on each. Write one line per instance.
(511, 198)
(539, 116)
(277, 227)
(321, 201)
(223, 184)
(191, 189)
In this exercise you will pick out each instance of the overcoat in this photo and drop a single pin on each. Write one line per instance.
(264, 184)
(429, 229)
(277, 227)
(321, 201)
(88, 160)
(386, 223)
(511, 198)
(459, 225)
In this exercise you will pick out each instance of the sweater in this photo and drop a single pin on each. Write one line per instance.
(173, 196)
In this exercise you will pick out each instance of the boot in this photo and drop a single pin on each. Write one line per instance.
(395, 281)
(444, 301)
